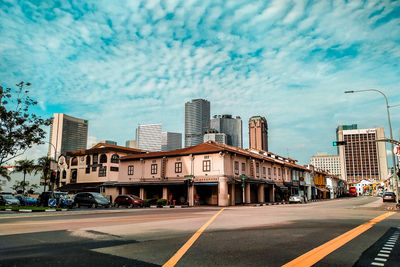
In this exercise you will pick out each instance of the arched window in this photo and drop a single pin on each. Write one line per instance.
(64, 174)
(88, 160)
(114, 158)
(103, 158)
(74, 161)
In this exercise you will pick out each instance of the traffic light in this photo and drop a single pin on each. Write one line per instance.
(339, 143)
(52, 177)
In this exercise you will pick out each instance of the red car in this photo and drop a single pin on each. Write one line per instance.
(128, 201)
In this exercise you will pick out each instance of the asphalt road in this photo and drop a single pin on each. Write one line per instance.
(238, 236)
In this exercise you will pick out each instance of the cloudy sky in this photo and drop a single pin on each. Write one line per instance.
(123, 63)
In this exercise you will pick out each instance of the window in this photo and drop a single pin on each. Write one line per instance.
(206, 165)
(64, 174)
(130, 170)
(115, 158)
(103, 158)
(87, 170)
(178, 167)
(74, 161)
(114, 169)
(236, 167)
(243, 167)
(279, 172)
(88, 160)
(274, 171)
(264, 171)
(257, 169)
(95, 158)
(103, 171)
(269, 171)
(153, 168)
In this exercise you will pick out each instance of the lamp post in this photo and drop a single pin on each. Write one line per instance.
(395, 182)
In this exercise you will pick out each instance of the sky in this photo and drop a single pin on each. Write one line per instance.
(123, 63)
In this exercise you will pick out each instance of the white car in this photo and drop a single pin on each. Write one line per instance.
(296, 199)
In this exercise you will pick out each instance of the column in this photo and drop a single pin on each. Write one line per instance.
(261, 193)
(233, 193)
(191, 195)
(223, 197)
(272, 193)
(165, 192)
(142, 193)
(247, 189)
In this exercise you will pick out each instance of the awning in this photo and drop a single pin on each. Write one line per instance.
(281, 187)
(148, 183)
(322, 189)
(206, 183)
(80, 187)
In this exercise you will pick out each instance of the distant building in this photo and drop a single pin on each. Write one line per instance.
(217, 137)
(362, 158)
(67, 134)
(130, 143)
(171, 141)
(329, 163)
(231, 127)
(148, 137)
(197, 120)
(109, 142)
(258, 133)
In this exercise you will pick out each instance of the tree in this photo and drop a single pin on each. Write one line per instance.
(43, 166)
(19, 187)
(19, 129)
(4, 173)
(26, 167)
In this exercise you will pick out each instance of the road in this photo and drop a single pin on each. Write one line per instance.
(234, 236)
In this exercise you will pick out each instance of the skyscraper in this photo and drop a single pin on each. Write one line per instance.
(197, 120)
(362, 158)
(330, 163)
(148, 137)
(258, 133)
(232, 127)
(67, 134)
(171, 141)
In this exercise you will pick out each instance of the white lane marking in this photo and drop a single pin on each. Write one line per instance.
(380, 259)
(387, 248)
(383, 255)
(377, 264)
(389, 245)
(384, 251)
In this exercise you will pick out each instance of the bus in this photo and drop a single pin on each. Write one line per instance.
(352, 191)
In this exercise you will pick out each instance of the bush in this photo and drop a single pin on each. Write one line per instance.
(161, 202)
(146, 202)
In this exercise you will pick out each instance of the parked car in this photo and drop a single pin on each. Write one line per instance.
(26, 200)
(296, 199)
(8, 200)
(91, 199)
(62, 199)
(128, 201)
(389, 196)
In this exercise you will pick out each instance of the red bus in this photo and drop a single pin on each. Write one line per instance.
(352, 191)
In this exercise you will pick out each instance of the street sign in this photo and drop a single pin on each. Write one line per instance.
(397, 151)
(52, 202)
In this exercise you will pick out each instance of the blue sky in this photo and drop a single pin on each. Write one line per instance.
(123, 63)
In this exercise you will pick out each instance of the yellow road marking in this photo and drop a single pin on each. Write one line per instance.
(318, 253)
(178, 255)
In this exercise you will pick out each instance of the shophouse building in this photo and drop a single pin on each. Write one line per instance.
(89, 169)
(213, 173)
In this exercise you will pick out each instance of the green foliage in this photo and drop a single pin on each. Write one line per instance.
(19, 129)
(146, 202)
(26, 167)
(43, 166)
(161, 202)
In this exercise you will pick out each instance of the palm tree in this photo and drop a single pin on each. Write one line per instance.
(26, 167)
(4, 173)
(44, 167)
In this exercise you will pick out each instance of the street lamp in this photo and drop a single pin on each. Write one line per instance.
(391, 136)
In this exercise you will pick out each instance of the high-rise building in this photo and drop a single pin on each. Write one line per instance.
(67, 134)
(232, 127)
(329, 163)
(362, 158)
(130, 143)
(258, 133)
(148, 137)
(171, 141)
(197, 120)
(109, 142)
(217, 137)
